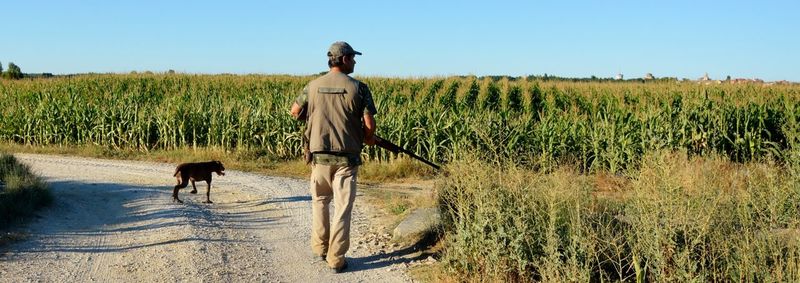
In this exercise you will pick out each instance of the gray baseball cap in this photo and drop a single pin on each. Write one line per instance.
(341, 48)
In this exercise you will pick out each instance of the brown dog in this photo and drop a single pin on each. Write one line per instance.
(200, 171)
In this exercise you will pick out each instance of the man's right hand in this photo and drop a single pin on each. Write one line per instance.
(369, 129)
(298, 112)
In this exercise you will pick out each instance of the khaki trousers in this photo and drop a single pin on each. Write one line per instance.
(331, 236)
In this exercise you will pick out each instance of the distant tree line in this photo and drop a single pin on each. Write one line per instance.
(13, 72)
(546, 77)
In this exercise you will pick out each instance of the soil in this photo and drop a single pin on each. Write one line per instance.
(114, 221)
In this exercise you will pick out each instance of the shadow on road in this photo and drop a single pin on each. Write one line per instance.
(406, 255)
(291, 199)
(83, 214)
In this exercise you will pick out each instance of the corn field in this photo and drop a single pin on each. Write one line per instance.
(598, 126)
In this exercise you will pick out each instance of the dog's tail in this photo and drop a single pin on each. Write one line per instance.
(176, 172)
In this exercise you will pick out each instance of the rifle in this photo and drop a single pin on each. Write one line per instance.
(397, 149)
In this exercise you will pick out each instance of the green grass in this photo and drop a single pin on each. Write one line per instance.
(21, 192)
(399, 207)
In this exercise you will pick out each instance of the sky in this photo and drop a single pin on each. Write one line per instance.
(683, 39)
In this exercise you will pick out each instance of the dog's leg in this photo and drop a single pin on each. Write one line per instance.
(194, 189)
(181, 184)
(208, 192)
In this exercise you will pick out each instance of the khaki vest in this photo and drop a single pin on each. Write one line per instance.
(335, 110)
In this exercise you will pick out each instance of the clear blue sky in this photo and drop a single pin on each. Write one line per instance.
(682, 39)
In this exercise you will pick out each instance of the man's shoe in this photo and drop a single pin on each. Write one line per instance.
(339, 269)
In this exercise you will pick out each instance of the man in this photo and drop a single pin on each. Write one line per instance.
(339, 114)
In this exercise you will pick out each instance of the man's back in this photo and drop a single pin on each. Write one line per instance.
(336, 104)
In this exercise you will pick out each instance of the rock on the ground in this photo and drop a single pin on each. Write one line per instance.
(417, 226)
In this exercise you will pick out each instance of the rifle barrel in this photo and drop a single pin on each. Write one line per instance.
(396, 149)
(421, 159)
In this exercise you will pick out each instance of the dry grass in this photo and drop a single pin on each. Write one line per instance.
(675, 219)
(396, 170)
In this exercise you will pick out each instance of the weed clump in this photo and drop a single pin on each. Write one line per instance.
(676, 219)
(21, 192)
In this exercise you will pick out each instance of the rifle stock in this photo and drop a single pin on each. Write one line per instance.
(397, 149)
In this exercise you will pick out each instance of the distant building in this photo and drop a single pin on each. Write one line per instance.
(618, 77)
(649, 76)
(704, 78)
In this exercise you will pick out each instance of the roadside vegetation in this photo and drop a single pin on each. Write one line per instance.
(544, 180)
(21, 192)
(675, 219)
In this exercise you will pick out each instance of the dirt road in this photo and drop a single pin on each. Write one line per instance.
(113, 221)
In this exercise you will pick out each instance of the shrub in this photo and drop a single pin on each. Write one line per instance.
(21, 192)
